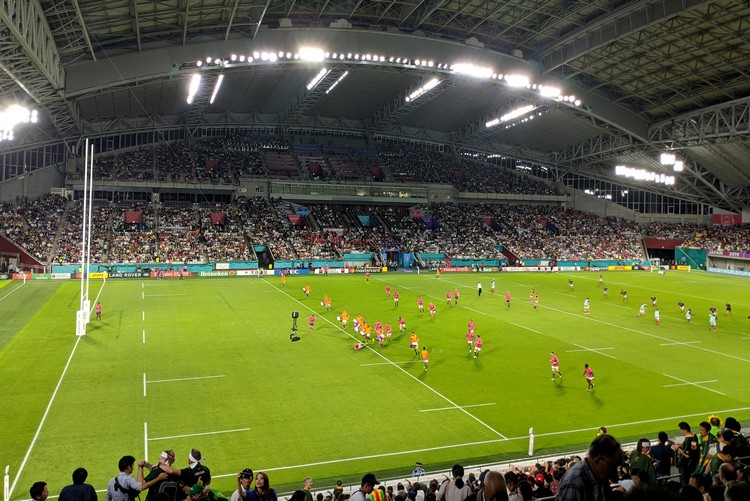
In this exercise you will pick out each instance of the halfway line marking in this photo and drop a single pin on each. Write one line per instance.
(179, 379)
(694, 384)
(453, 408)
(199, 434)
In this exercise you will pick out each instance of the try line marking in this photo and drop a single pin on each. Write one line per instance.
(484, 442)
(11, 292)
(453, 408)
(696, 384)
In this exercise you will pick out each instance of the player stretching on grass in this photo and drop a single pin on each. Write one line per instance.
(589, 376)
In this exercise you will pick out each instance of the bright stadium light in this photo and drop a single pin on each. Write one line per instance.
(644, 175)
(430, 84)
(472, 70)
(678, 166)
(523, 110)
(667, 159)
(517, 80)
(195, 83)
(312, 54)
(216, 88)
(317, 78)
(14, 115)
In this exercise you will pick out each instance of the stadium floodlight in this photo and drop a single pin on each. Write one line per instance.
(644, 175)
(678, 166)
(549, 91)
(430, 84)
(233, 57)
(12, 116)
(216, 88)
(668, 159)
(492, 123)
(312, 54)
(523, 110)
(472, 70)
(317, 78)
(338, 81)
(195, 83)
(517, 80)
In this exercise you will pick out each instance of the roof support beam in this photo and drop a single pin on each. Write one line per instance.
(391, 113)
(231, 19)
(137, 23)
(260, 19)
(32, 61)
(617, 24)
(85, 31)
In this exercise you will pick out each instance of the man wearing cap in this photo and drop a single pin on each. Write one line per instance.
(418, 471)
(541, 490)
(365, 489)
(244, 479)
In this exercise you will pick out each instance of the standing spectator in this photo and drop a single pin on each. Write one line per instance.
(590, 478)
(244, 479)
(166, 460)
(307, 488)
(418, 470)
(39, 490)
(123, 487)
(263, 490)
(196, 473)
(642, 460)
(687, 452)
(493, 488)
(79, 491)
(456, 489)
(365, 489)
(664, 455)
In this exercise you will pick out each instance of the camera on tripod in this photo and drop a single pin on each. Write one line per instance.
(293, 336)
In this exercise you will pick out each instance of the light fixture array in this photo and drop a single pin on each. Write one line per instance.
(319, 55)
(12, 116)
(644, 175)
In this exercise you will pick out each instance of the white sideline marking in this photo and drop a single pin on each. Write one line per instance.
(143, 295)
(493, 441)
(595, 350)
(144, 384)
(143, 316)
(143, 337)
(11, 292)
(44, 418)
(453, 408)
(433, 390)
(199, 435)
(694, 384)
(680, 342)
(145, 439)
(391, 363)
(164, 295)
(179, 379)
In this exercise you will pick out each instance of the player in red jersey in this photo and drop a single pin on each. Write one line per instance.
(507, 299)
(395, 299)
(420, 305)
(448, 298)
(589, 377)
(472, 325)
(367, 276)
(455, 296)
(554, 362)
(388, 290)
(433, 310)
(401, 325)
(311, 322)
(470, 340)
(388, 332)
(477, 346)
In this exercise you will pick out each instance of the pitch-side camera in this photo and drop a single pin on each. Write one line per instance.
(293, 336)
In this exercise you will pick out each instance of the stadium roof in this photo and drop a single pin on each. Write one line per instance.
(650, 75)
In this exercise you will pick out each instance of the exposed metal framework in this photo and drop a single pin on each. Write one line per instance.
(390, 114)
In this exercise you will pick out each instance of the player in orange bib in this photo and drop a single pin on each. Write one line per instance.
(306, 290)
(414, 342)
(425, 357)
(344, 318)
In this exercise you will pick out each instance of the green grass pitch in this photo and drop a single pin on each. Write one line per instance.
(207, 363)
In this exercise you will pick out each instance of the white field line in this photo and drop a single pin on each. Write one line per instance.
(145, 439)
(143, 337)
(484, 442)
(12, 291)
(44, 418)
(180, 379)
(694, 384)
(453, 408)
(680, 342)
(163, 295)
(594, 350)
(143, 316)
(430, 388)
(51, 401)
(219, 432)
(390, 363)
(144, 384)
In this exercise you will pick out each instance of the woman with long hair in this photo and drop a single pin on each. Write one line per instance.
(455, 489)
(262, 490)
